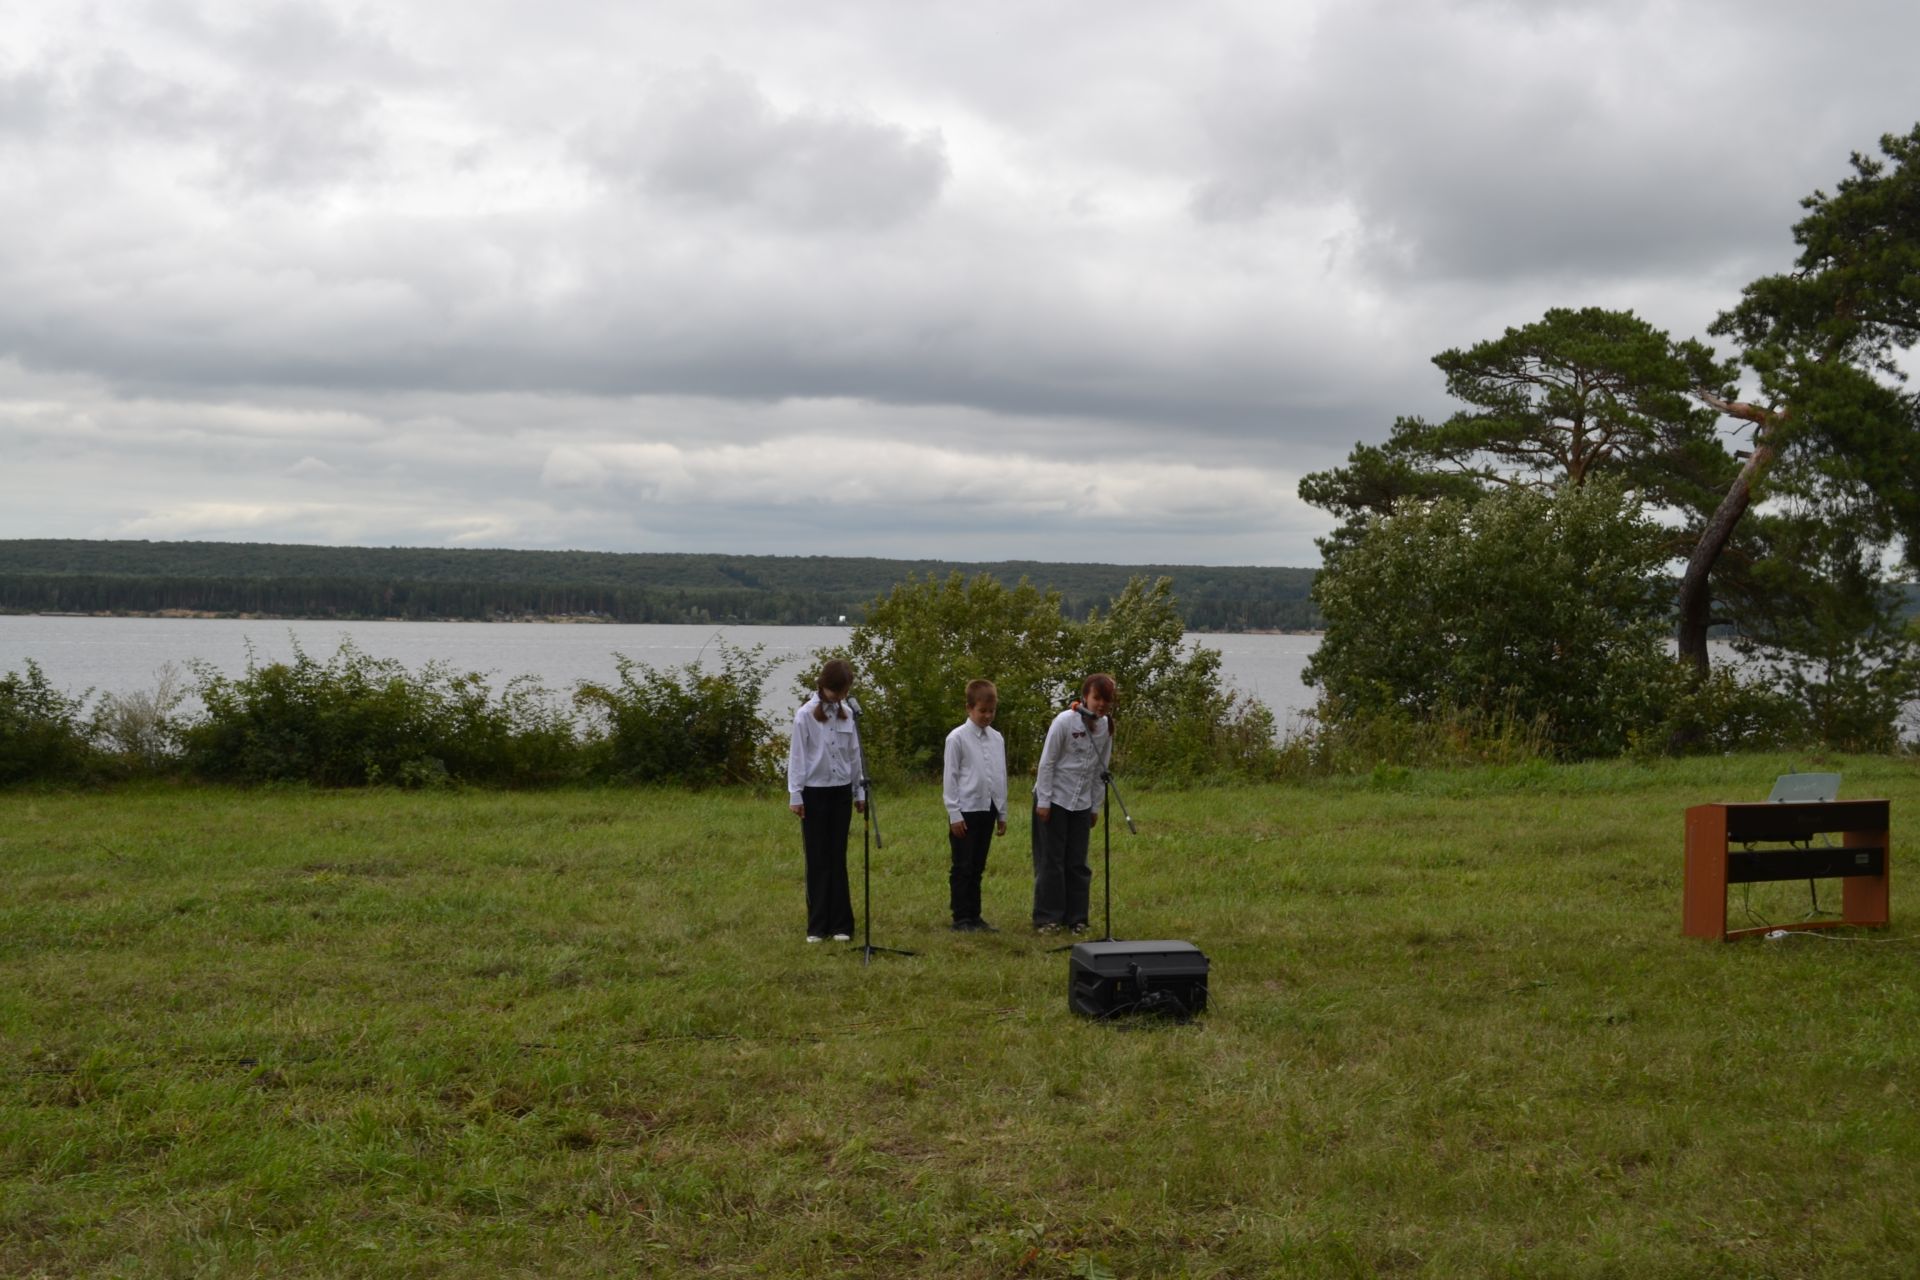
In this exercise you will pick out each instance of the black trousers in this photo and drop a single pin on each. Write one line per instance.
(824, 832)
(1061, 876)
(969, 864)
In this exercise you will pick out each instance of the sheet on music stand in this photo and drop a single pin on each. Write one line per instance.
(1804, 788)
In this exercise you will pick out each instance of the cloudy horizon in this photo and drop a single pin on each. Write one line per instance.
(1034, 282)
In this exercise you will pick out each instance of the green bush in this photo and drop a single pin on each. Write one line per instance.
(1336, 740)
(1834, 643)
(43, 735)
(356, 720)
(921, 643)
(1720, 714)
(1549, 610)
(1727, 711)
(1176, 719)
(683, 725)
(141, 730)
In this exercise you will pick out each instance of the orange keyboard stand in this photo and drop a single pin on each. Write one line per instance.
(1746, 843)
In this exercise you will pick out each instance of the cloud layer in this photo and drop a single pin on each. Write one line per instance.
(1027, 281)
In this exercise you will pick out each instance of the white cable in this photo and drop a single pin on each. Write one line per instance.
(1777, 934)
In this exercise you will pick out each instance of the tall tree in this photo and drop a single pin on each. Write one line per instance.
(1823, 341)
(1571, 396)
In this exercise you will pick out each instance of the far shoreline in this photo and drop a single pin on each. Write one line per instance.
(555, 619)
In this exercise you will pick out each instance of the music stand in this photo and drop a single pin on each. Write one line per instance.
(1806, 788)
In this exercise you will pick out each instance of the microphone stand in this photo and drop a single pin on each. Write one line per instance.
(1106, 854)
(869, 821)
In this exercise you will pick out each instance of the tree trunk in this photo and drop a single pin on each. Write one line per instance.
(1696, 601)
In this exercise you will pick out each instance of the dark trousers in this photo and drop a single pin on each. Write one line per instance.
(969, 864)
(824, 832)
(1061, 876)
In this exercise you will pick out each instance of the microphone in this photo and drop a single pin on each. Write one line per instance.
(853, 705)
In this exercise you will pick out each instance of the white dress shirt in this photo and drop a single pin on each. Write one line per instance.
(975, 777)
(823, 755)
(1071, 762)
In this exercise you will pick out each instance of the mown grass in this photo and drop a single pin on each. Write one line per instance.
(1455, 1032)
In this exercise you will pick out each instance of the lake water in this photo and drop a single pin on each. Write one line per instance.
(124, 655)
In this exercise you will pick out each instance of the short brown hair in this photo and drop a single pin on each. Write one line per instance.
(979, 691)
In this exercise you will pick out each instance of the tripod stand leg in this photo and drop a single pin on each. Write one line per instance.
(869, 826)
(1106, 871)
(1111, 789)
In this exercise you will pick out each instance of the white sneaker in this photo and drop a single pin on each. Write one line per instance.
(814, 937)
(843, 937)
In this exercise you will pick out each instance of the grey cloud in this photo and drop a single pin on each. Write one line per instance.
(424, 470)
(112, 96)
(281, 142)
(26, 103)
(103, 98)
(295, 41)
(1579, 143)
(247, 138)
(395, 303)
(500, 242)
(712, 139)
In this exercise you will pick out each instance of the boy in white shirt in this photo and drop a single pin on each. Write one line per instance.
(974, 787)
(1068, 789)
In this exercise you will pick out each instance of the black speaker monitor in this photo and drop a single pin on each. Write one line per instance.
(1110, 979)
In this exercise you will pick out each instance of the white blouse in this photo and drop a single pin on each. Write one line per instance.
(823, 755)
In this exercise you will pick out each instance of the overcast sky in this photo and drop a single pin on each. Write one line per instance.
(1034, 280)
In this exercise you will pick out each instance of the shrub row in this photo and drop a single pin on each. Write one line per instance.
(357, 720)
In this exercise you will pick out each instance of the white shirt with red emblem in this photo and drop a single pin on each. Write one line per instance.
(1077, 751)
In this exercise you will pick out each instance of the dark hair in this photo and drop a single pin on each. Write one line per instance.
(1103, 682)
(836, 678)
(979, 691)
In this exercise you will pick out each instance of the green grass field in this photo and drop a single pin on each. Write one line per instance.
(1455, 1031)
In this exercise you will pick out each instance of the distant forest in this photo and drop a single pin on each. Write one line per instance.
(266, 579)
